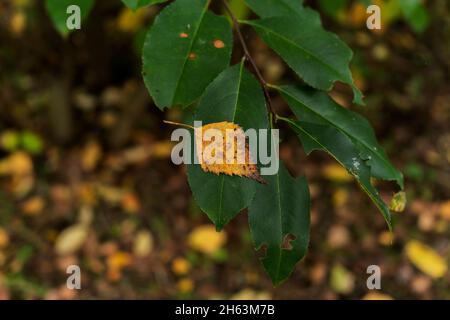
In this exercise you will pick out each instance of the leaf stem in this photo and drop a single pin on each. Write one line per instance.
(261, 79)
(179, 124)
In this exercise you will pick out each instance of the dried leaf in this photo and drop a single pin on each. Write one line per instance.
(71, 239)
(4, 238)
(241, 164)
(181, 266)
(143, 244)
(130, 203)
(185, 285)
(426, 259)
(336, 173)
(33, 206)
(91, 156)
(377, 296)
(206, 239)
(18, 23)
(249, 294)
(18, 164)
(444, 210)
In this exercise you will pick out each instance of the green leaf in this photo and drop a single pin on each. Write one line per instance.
(136, 4)
(31, 142)
(314, 106)
(329, 139)
(332, 7)
(319, 57)
(239, 9)
(57, 10)
(234, 96)
(273, 8)
(180, 57)
(278, 213)
(416, 14)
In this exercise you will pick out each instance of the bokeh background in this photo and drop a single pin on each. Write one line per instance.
(86, 176)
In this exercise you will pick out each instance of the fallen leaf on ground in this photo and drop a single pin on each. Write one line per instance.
(377, 296)
(336, 173)
(181, 266)
(71, 239)
(206, 239)
(143, 244)
(426, 259)
(341, 280)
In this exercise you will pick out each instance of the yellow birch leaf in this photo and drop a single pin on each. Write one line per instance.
(226, 156)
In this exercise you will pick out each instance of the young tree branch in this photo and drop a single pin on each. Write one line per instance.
(261, 79)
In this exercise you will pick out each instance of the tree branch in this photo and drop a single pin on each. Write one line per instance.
(261, 80)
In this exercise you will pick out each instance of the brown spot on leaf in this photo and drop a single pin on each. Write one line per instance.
(286, 245)
(184, 35)
(192, 56)
(219, 44)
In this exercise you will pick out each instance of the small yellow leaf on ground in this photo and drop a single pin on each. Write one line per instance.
(71, 239)
(91, 155)
(181, 266)
(119, 260)
(161, 150)
(143, 244)
(130, 203)
(340, 198)
(341, 280)
(377, 296)
(33, 206)
(386, 238)
(4, 238)
(338, 236)
(185, 285)
(421, 284)
(336, 173)
(18, 23)
(444, 210)
(206, 239)
(18, 163)
(229, 155)
(426, 259)
(249, 294)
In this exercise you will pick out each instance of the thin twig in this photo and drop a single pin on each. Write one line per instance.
(179, 124)
(263, 82)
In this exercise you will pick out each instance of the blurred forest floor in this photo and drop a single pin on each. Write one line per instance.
(86, 176)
